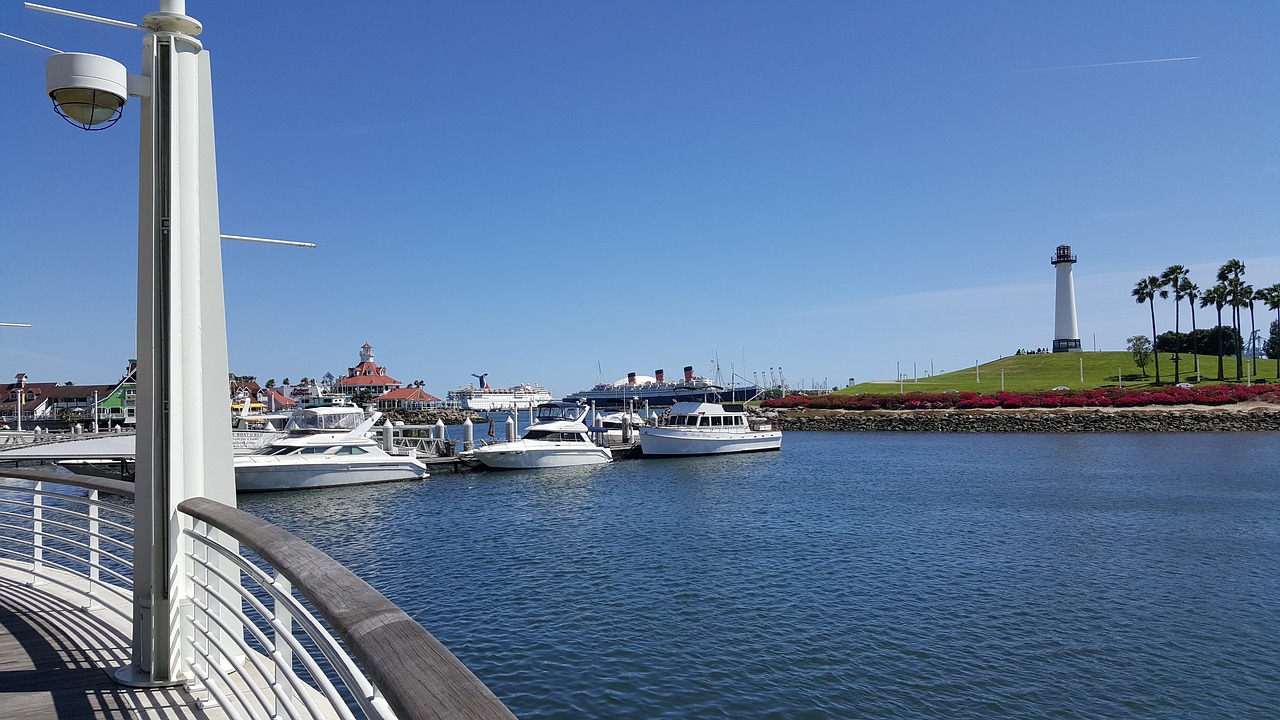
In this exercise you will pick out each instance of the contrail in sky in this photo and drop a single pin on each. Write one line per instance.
(1091, 65)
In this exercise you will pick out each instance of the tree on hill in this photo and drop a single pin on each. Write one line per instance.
(1172, 278)
(1140, 347)
(1208, 337)
(1191, 292)
(1229, 277)
(1145, 292)
(1271, 296)
(1217, 297)
(1272, 346)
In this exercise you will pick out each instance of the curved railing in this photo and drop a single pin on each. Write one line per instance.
(274, 628)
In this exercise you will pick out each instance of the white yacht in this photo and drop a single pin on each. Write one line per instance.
(323, 449)
(707, 429)
(557, 438)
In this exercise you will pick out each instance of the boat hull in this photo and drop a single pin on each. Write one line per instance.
(522, 455)
(676, 442)
(261, 474)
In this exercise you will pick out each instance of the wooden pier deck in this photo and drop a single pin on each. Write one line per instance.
(57, 658)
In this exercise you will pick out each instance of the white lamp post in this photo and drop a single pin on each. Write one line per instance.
(184, 437)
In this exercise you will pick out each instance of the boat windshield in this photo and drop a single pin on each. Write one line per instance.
(325, 421)
(548, 413)
(552, 436)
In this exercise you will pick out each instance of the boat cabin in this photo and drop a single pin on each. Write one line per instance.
(706, 415)
(559, 410)
(331, 419)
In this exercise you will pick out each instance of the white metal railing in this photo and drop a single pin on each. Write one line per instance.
(59, 531)
(271, 627)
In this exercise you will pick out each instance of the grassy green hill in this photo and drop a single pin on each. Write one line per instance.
(1030, 373)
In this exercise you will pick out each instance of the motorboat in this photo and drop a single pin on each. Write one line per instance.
(321, 414)
(321, 451)
(707, 429)
(557, 437)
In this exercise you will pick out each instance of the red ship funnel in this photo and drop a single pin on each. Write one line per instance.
(657, 376)
(688, 373)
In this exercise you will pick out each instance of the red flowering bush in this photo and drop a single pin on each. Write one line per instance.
(1099, 397)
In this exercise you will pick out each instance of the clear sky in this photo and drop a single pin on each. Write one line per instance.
(562, 192)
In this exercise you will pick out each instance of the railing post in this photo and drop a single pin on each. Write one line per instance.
(95, 557)
(284, 668)
(37, 532)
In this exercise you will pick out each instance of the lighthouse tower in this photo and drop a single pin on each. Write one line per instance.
(1066, 335)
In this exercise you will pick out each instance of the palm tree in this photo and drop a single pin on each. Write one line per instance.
(1217, 297)
(1251, 296)
(1271, 296)
(1172, 278)
(1230, 273)
(1238, 294)
(1145, 292)
(1191, 292)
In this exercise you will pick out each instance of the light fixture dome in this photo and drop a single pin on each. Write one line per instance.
(89, 91)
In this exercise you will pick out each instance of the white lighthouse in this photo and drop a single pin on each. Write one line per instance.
(1066, 335)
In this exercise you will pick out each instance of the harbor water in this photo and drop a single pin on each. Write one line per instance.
(852, 575)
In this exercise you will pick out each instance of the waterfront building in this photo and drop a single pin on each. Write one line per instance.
(367, 377)
(44, 402)
(408, 398)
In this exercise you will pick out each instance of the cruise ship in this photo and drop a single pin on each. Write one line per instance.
(656, 390)
(485, 398)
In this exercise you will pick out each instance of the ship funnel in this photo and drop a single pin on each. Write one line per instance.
(657, 376)
(631, 378)
(688, 373)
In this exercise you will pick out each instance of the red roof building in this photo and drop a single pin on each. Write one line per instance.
(274, 400)
(367, 377)
(410, 398)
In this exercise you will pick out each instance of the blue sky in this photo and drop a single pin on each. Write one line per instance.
(562, 192)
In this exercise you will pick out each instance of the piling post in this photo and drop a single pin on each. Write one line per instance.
(511, 427)
(468, 435)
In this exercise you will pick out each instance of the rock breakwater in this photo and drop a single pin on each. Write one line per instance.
(1172, 419)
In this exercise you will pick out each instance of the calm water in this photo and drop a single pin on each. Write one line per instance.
(851, 575)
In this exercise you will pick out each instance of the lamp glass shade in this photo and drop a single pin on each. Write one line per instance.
(88, 90)
(87, 106)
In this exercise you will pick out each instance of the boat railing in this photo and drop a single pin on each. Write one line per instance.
(418, 440)
(274, 626)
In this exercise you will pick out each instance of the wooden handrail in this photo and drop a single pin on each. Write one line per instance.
(103, 485)
(417, 676)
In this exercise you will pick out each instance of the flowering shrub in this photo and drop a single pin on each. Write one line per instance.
(1099, 397)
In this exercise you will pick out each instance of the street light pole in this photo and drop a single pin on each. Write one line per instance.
(183, 433)
(184, 437)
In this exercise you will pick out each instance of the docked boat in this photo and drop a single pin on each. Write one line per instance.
(657, 391)
(324, 449)
(485, 398)
(707, 429)
(620, 427)
(556, 438)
